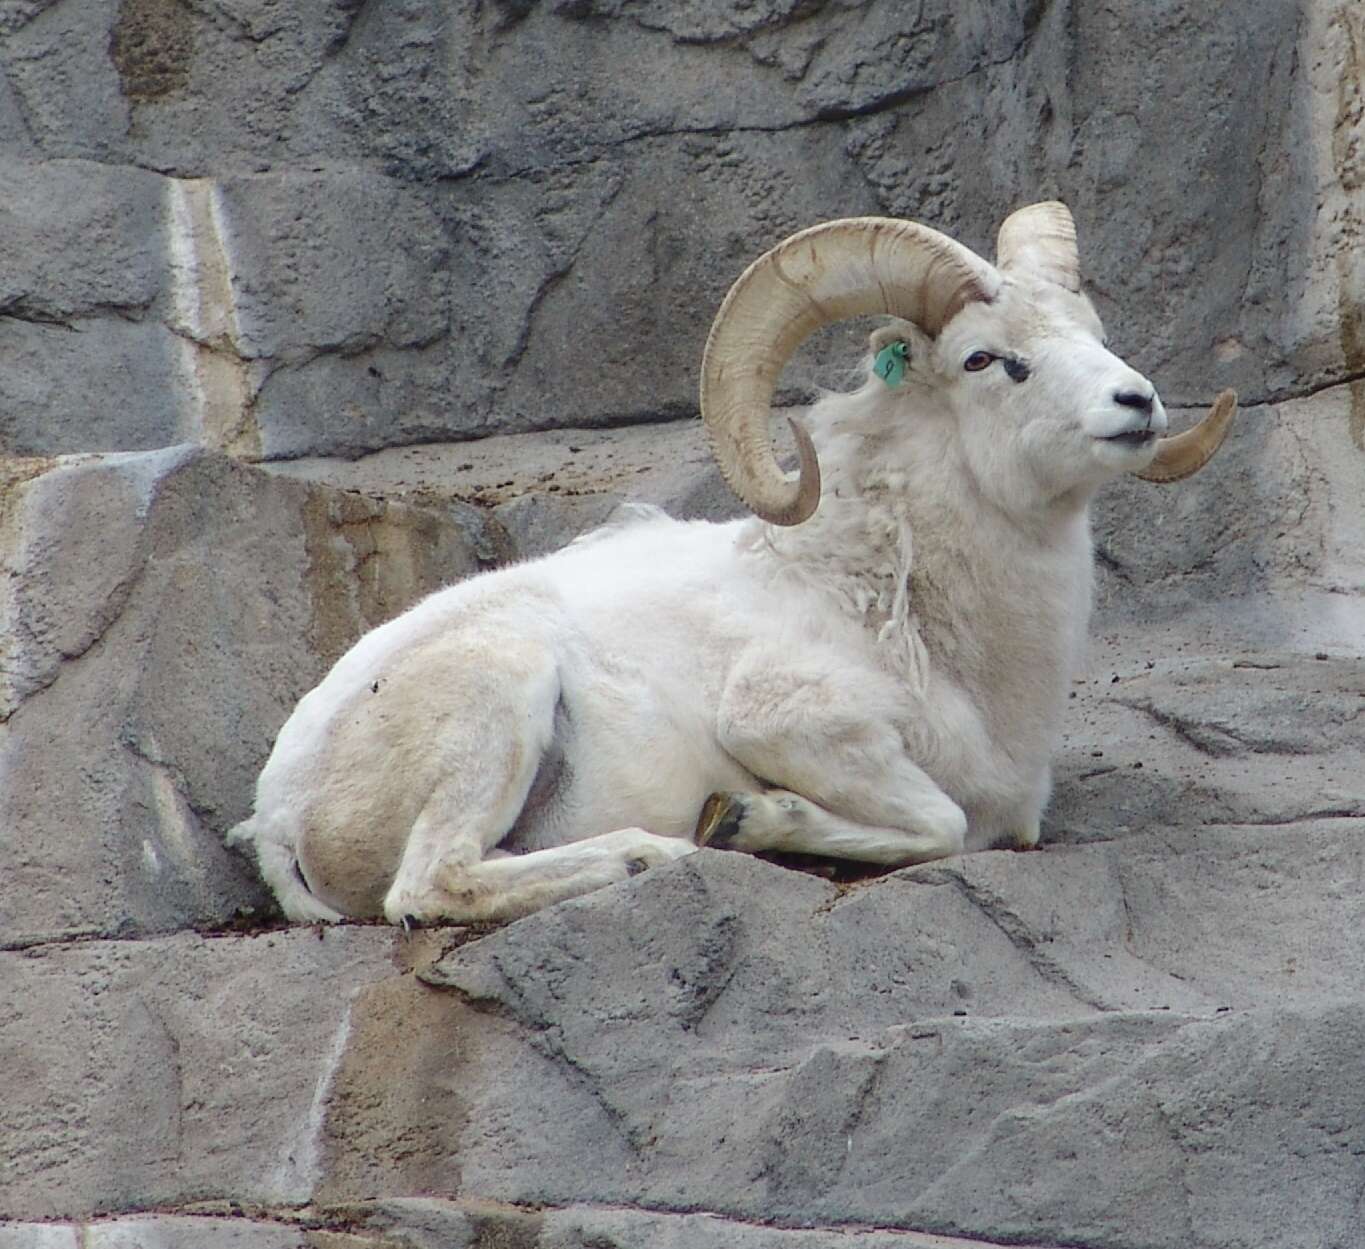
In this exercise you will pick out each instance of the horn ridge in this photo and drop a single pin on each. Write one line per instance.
(1042, 240)
(827, 273)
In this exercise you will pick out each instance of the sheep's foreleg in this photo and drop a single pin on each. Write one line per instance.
(781, 820)
(824, 735)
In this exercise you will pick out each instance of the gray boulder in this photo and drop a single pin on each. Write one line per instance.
(1011, 1048)
(163, 614)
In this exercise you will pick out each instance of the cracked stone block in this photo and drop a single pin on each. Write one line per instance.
(164, 612)
(426, 1223)
(66, 92)
(617, 308)
(341, 295)
(1226, 709)
(78, 237)
(545, 489)
(89, 364)
(331, 263)
(717, 1034)
(1265, 738)
(159, 1072)
(1272, 531)
(157, 83)
(67, 388)
(1173, 276)
(457, 221)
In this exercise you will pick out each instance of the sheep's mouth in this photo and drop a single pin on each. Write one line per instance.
(1134, 439)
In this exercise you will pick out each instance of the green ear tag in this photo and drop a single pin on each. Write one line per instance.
(889, 364)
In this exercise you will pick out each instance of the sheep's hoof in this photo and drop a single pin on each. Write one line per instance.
(718, 824)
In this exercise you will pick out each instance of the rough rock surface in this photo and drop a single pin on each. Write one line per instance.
(266, 269)
(318, 228)
(163, 613)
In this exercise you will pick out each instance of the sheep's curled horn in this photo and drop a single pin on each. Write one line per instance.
(862, 266)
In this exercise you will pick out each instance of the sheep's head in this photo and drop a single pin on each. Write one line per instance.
(1014, 351)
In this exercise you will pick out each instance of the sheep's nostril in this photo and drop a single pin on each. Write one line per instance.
(1134, 399)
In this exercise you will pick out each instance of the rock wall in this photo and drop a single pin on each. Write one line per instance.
(309, 308)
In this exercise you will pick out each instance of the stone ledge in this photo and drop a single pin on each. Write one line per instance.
(437, 1223)
(158, 1072)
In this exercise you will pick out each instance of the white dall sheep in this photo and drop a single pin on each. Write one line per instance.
(874, 666)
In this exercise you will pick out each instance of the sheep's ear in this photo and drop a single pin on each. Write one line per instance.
(1041, 239)
(897, 330)
(894, 347)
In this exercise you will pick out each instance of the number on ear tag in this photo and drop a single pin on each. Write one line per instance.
(889, 364)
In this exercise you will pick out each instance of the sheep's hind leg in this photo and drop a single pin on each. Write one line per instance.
(513, 885)
(1028, 834)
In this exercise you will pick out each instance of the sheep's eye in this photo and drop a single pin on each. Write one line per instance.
(977, 361)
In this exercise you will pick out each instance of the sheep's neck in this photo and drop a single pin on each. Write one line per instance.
(996, 606)
(1003, 612)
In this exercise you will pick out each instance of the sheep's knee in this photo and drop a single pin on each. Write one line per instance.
(946, 823)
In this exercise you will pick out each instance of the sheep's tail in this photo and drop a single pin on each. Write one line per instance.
(279, 866)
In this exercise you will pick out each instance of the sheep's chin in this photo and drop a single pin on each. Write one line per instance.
(1134, 439)
(1127, 451)
(1122, 455)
